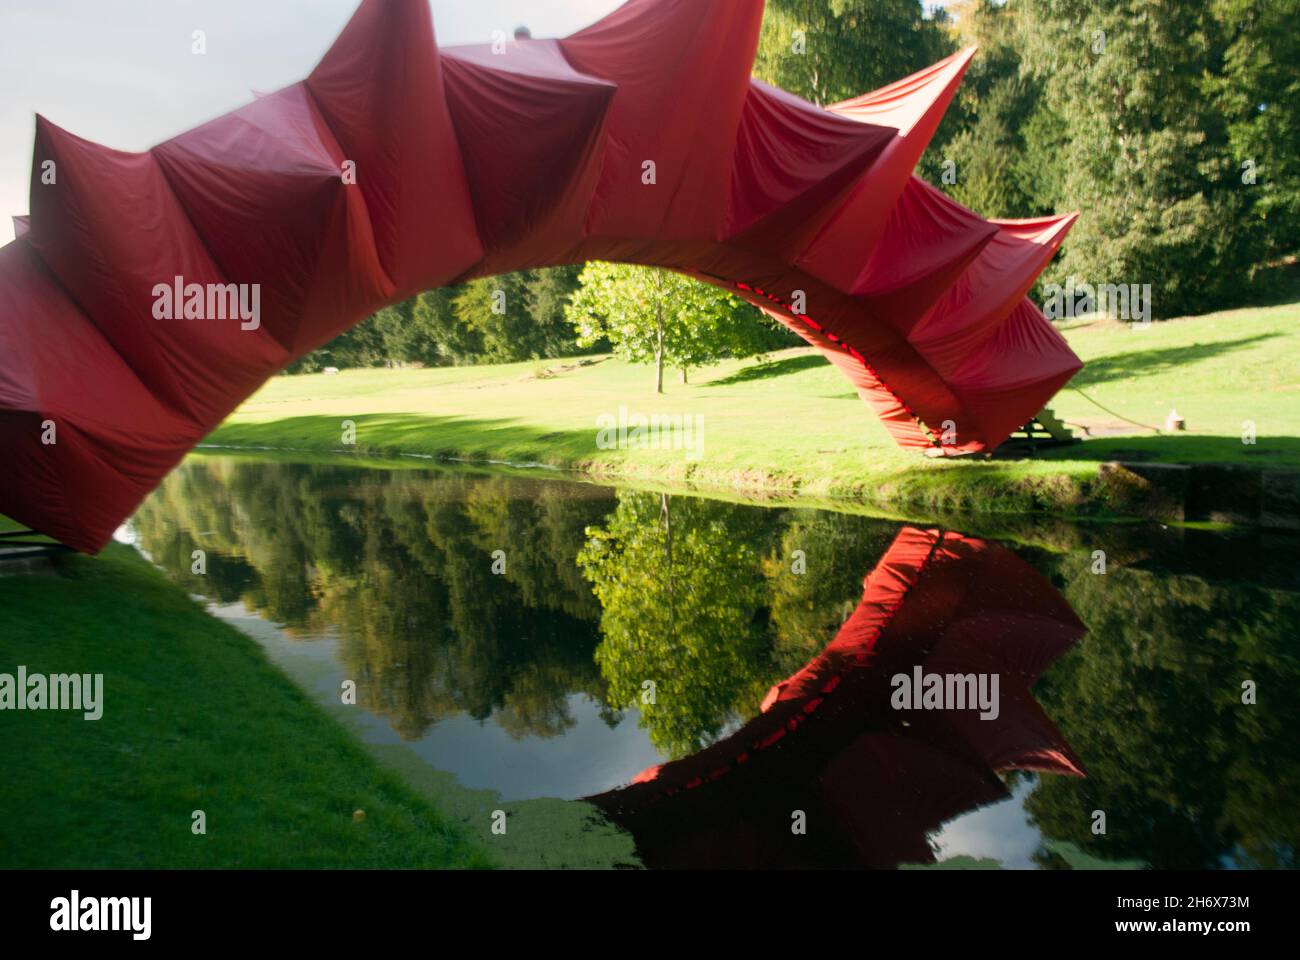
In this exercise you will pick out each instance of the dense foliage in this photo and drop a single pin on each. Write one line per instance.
(517, 316)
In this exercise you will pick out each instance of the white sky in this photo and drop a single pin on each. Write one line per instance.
(121, 72)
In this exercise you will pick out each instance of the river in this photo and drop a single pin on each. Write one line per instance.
(720, 679)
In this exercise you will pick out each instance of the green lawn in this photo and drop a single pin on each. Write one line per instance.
(793, 425)
(194, 718)
(1218, 371)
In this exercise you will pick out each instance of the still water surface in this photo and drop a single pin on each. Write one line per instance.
(713, 675)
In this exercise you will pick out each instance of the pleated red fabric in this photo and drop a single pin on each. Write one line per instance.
(148, 294)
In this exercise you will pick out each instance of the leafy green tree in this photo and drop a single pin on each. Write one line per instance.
(984, 141)
(832, 50)
(497, 310)
(808, 607)
(518, 316)
(438, 338)
(1257, 91)
(547, 298)
(401, 570)
(652, 315)
(361, 346)
(1147, 159)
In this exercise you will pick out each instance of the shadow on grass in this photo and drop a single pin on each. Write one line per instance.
(509, 439)
(1182, 448)
(411, 433)
(771, 369)
(1150, 363)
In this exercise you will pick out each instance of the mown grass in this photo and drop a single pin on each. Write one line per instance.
(790, 423)
(1219, 371)
(194, 718)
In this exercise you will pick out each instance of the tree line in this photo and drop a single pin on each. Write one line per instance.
(516, 316)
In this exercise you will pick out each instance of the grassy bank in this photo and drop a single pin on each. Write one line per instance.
(194, 718)
(792, 424)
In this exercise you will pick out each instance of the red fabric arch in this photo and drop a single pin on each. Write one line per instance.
(474, 161)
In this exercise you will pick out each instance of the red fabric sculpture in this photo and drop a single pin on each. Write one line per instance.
(149, 294)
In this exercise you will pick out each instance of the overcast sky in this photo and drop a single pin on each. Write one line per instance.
(121, 72)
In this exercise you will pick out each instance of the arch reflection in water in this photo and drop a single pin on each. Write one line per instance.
(870, 782)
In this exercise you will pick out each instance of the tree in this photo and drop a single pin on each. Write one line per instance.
(497, 310)
(832, 50)
(546, 298)
(1257, 92)
(402, 575)
(519, 316)
(654, 315)
(808, 608)
(983, 163)
(1189, 776)
(443, 340)
(362, 346)
(1147, 158)
(516, 316)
